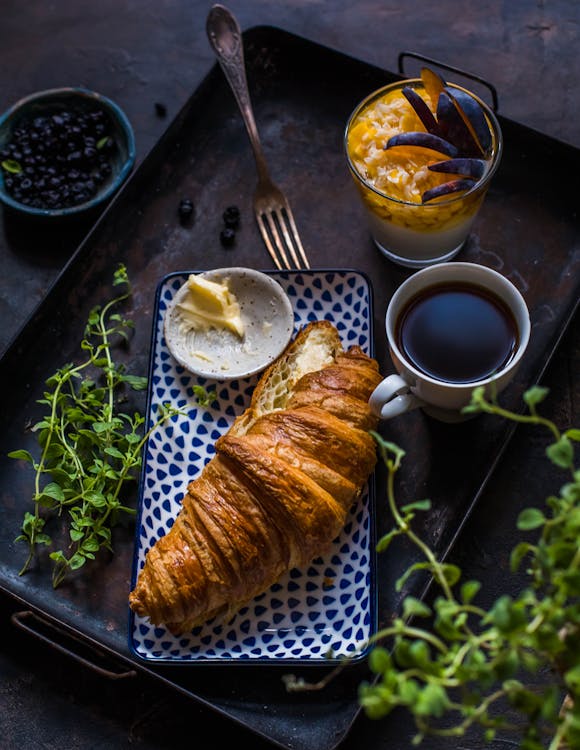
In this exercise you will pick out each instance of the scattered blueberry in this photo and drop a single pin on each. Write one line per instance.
(160, 109)
(231, 217)
(227, 236)
(185, 209)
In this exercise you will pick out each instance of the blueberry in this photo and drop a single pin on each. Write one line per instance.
(227, 236)
(160, 109)
(231, 217)
(185, 209)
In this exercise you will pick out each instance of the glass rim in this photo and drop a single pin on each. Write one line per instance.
(453, 198)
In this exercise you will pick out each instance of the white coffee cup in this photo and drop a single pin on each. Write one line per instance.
(411, 387)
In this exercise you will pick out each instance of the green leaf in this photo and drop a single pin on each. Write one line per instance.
(477, 401)
(21, 454)
(388, 448)
(431, 701)
(572, 678)
(452, 573)
(137, 383)
(506, 664)
(409, 572)
(561, 453)
(58, 557)
(551, 704)
(506, 615)
(419, 653)
(104, 533)
(11, 166)
(90, 545)
(42, 425)
(96, 499)
(408, 691)
(518, 553)
(379, 660)
(114, 452)
(386, 539)
(418, 505)
(531, 518)
(469, 590)
(534, 395)
(415, 608)
(120, 275)
(570, 492)
(54, 491)
(573, 434)
(77, 561)
(445, 623)
(374, 704)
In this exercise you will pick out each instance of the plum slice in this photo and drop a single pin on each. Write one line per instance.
(454, 127)
(453, 186)
(424, 140)
(434, 85)
(422, 110)
(461, 165)
(474, 117)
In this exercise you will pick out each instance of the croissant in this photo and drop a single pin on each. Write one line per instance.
(277, 491)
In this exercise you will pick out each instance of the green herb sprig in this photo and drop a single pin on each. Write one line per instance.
(90, 449)
(203, 396)
(469, 659)
(454, 665)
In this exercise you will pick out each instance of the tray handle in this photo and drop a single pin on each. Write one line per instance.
(36, 626)
(489, 86)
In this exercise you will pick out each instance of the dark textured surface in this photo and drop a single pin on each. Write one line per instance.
(142, 53)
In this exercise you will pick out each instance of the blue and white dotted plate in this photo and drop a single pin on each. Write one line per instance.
(318, 614)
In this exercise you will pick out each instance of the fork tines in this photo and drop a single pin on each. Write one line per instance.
(281, 237)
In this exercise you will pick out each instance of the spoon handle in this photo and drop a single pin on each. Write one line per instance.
(225, 37)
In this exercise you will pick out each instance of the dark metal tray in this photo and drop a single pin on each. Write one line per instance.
(303, 94)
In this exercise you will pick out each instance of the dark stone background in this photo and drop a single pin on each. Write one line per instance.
(139, 52)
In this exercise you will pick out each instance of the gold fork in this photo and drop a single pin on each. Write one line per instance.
(273, 212)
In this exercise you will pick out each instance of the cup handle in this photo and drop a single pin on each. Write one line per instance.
(392, 397)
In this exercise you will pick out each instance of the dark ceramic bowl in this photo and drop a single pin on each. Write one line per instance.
(47, 104)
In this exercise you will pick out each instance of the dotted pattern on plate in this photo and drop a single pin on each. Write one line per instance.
(322, 612)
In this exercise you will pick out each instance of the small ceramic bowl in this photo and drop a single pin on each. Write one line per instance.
(219, 354)
(119, 152)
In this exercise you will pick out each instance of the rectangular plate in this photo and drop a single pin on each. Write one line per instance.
(317, 614)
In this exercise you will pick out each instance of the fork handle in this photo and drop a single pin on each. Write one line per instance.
(225, 37)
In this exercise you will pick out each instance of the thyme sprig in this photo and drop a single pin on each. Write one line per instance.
(90, 449)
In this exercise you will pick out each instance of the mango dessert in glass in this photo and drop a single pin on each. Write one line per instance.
(422, 153)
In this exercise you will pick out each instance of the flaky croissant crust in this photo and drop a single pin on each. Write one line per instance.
(277, 491)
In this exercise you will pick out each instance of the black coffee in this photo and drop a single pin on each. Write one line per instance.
(457, 332)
